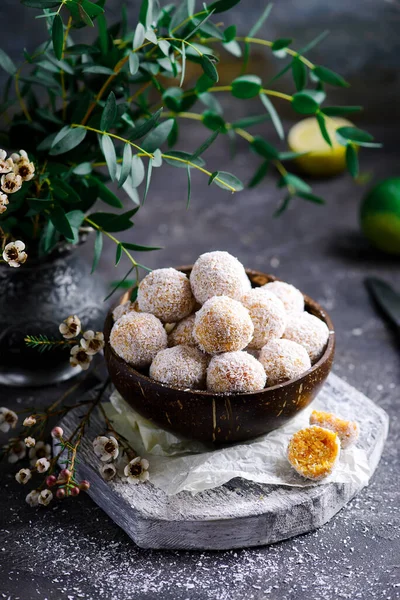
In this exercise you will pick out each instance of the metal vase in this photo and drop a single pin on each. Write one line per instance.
(34, 299)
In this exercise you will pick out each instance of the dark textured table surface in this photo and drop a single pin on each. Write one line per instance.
(72, 550)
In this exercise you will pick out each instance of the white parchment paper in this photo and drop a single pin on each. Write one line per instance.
(177, 464)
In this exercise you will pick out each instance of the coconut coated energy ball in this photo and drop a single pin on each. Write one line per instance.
(314, 452)
(137, 338)
(308, 331)
(222, 325)
(268, 315)
(292, 298)
(218, 274)
(123, 309)
(235, 372)
(283, 360)
(182, 333)
(348, 431)
(166, 294)
(180, 366)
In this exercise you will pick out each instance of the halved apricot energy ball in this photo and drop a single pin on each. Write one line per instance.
(313, 452)
(218, 274)
(166, 294)
(348, 431)
(222, 325)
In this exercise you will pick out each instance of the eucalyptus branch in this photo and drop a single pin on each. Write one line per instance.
(150, 155)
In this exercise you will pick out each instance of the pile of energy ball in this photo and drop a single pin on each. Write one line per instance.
(214, 331)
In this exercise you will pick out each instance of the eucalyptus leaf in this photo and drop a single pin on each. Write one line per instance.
(323, 129)
(75, 219)
(183, 54)
(59, 219)
(353, 134)
(304, 104)
(246, 86)
(148, 180)
(147, 126)
(263, 148)
(352, 160)
(98, 247)
(109, 113)
(328, 76)
(203, 147)
(137, 171)
(222, 5)
(182, 158)
(337, 111)
(189, 186)
(58, 36)
(151, 36)
(126, 165)
(299, 72)
(97, 70)
(261, 20)
(113, 223)
(158, 136)
(224, 179)
(234, 48)
(105, 194)
(6, 63)
(273, 114)
(213, 121)
(138, 248)
(118, 254)
(109, 154)
(133, 63)
(138, 38)
(311, 197)
(281, 44)
(259, 175)
(71, 138)
(209, 68)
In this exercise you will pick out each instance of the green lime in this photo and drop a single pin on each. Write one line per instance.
(380, 215)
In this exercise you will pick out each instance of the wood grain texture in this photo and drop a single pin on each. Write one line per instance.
(241, 513)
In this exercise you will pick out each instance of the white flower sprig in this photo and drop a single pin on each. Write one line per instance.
(14, 254)
(14, 171)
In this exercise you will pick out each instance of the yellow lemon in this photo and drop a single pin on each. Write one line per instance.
(321, 159)
(380, 215)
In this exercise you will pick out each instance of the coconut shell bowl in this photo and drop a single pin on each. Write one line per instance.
(220, 418)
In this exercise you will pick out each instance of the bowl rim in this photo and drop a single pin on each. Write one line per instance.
(329, 348)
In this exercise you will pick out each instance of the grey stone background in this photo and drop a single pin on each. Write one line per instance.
(363, 44)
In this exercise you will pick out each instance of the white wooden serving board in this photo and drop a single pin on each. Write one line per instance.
(240, 513)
